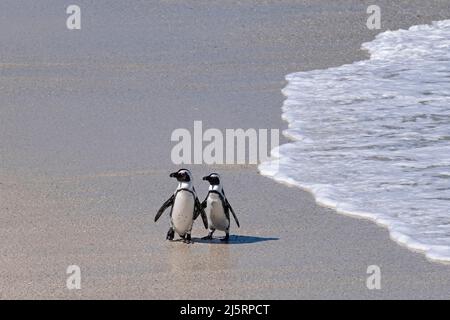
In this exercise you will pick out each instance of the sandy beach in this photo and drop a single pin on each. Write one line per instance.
(86, 118)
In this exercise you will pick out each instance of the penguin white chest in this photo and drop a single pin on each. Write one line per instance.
(183, 212)
(216, 213)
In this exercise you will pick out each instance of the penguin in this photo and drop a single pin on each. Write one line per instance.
(185, 207)
(217, 208)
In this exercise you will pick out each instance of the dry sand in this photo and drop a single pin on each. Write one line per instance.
(86, 118)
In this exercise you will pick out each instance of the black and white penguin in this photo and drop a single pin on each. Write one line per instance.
(185, 207)
(217, 208)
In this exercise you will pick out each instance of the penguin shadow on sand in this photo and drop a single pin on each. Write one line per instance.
(235, 239)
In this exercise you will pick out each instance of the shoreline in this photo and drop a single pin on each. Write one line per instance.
(361, 217)
(101, 123)
(266, 169)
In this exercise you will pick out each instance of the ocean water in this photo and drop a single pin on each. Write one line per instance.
(372, 138)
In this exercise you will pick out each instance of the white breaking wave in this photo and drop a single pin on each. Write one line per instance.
(372, 138)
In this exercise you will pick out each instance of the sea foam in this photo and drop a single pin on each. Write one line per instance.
(372, 138)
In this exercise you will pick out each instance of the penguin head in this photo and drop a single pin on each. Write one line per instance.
(182, 175)
(213, 179)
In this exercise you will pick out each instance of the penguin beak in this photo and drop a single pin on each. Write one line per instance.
(174, 175)
(206, 178)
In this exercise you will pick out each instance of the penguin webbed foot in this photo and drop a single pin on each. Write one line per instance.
(226, 238)
(210, 235)
(187, 239)
(170, 234)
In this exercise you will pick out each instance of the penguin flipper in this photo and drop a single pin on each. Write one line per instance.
(228, 206)
(232, 212)
(165, 205)
(199, 210)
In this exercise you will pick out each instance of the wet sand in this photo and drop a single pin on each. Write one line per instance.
(86, 118)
